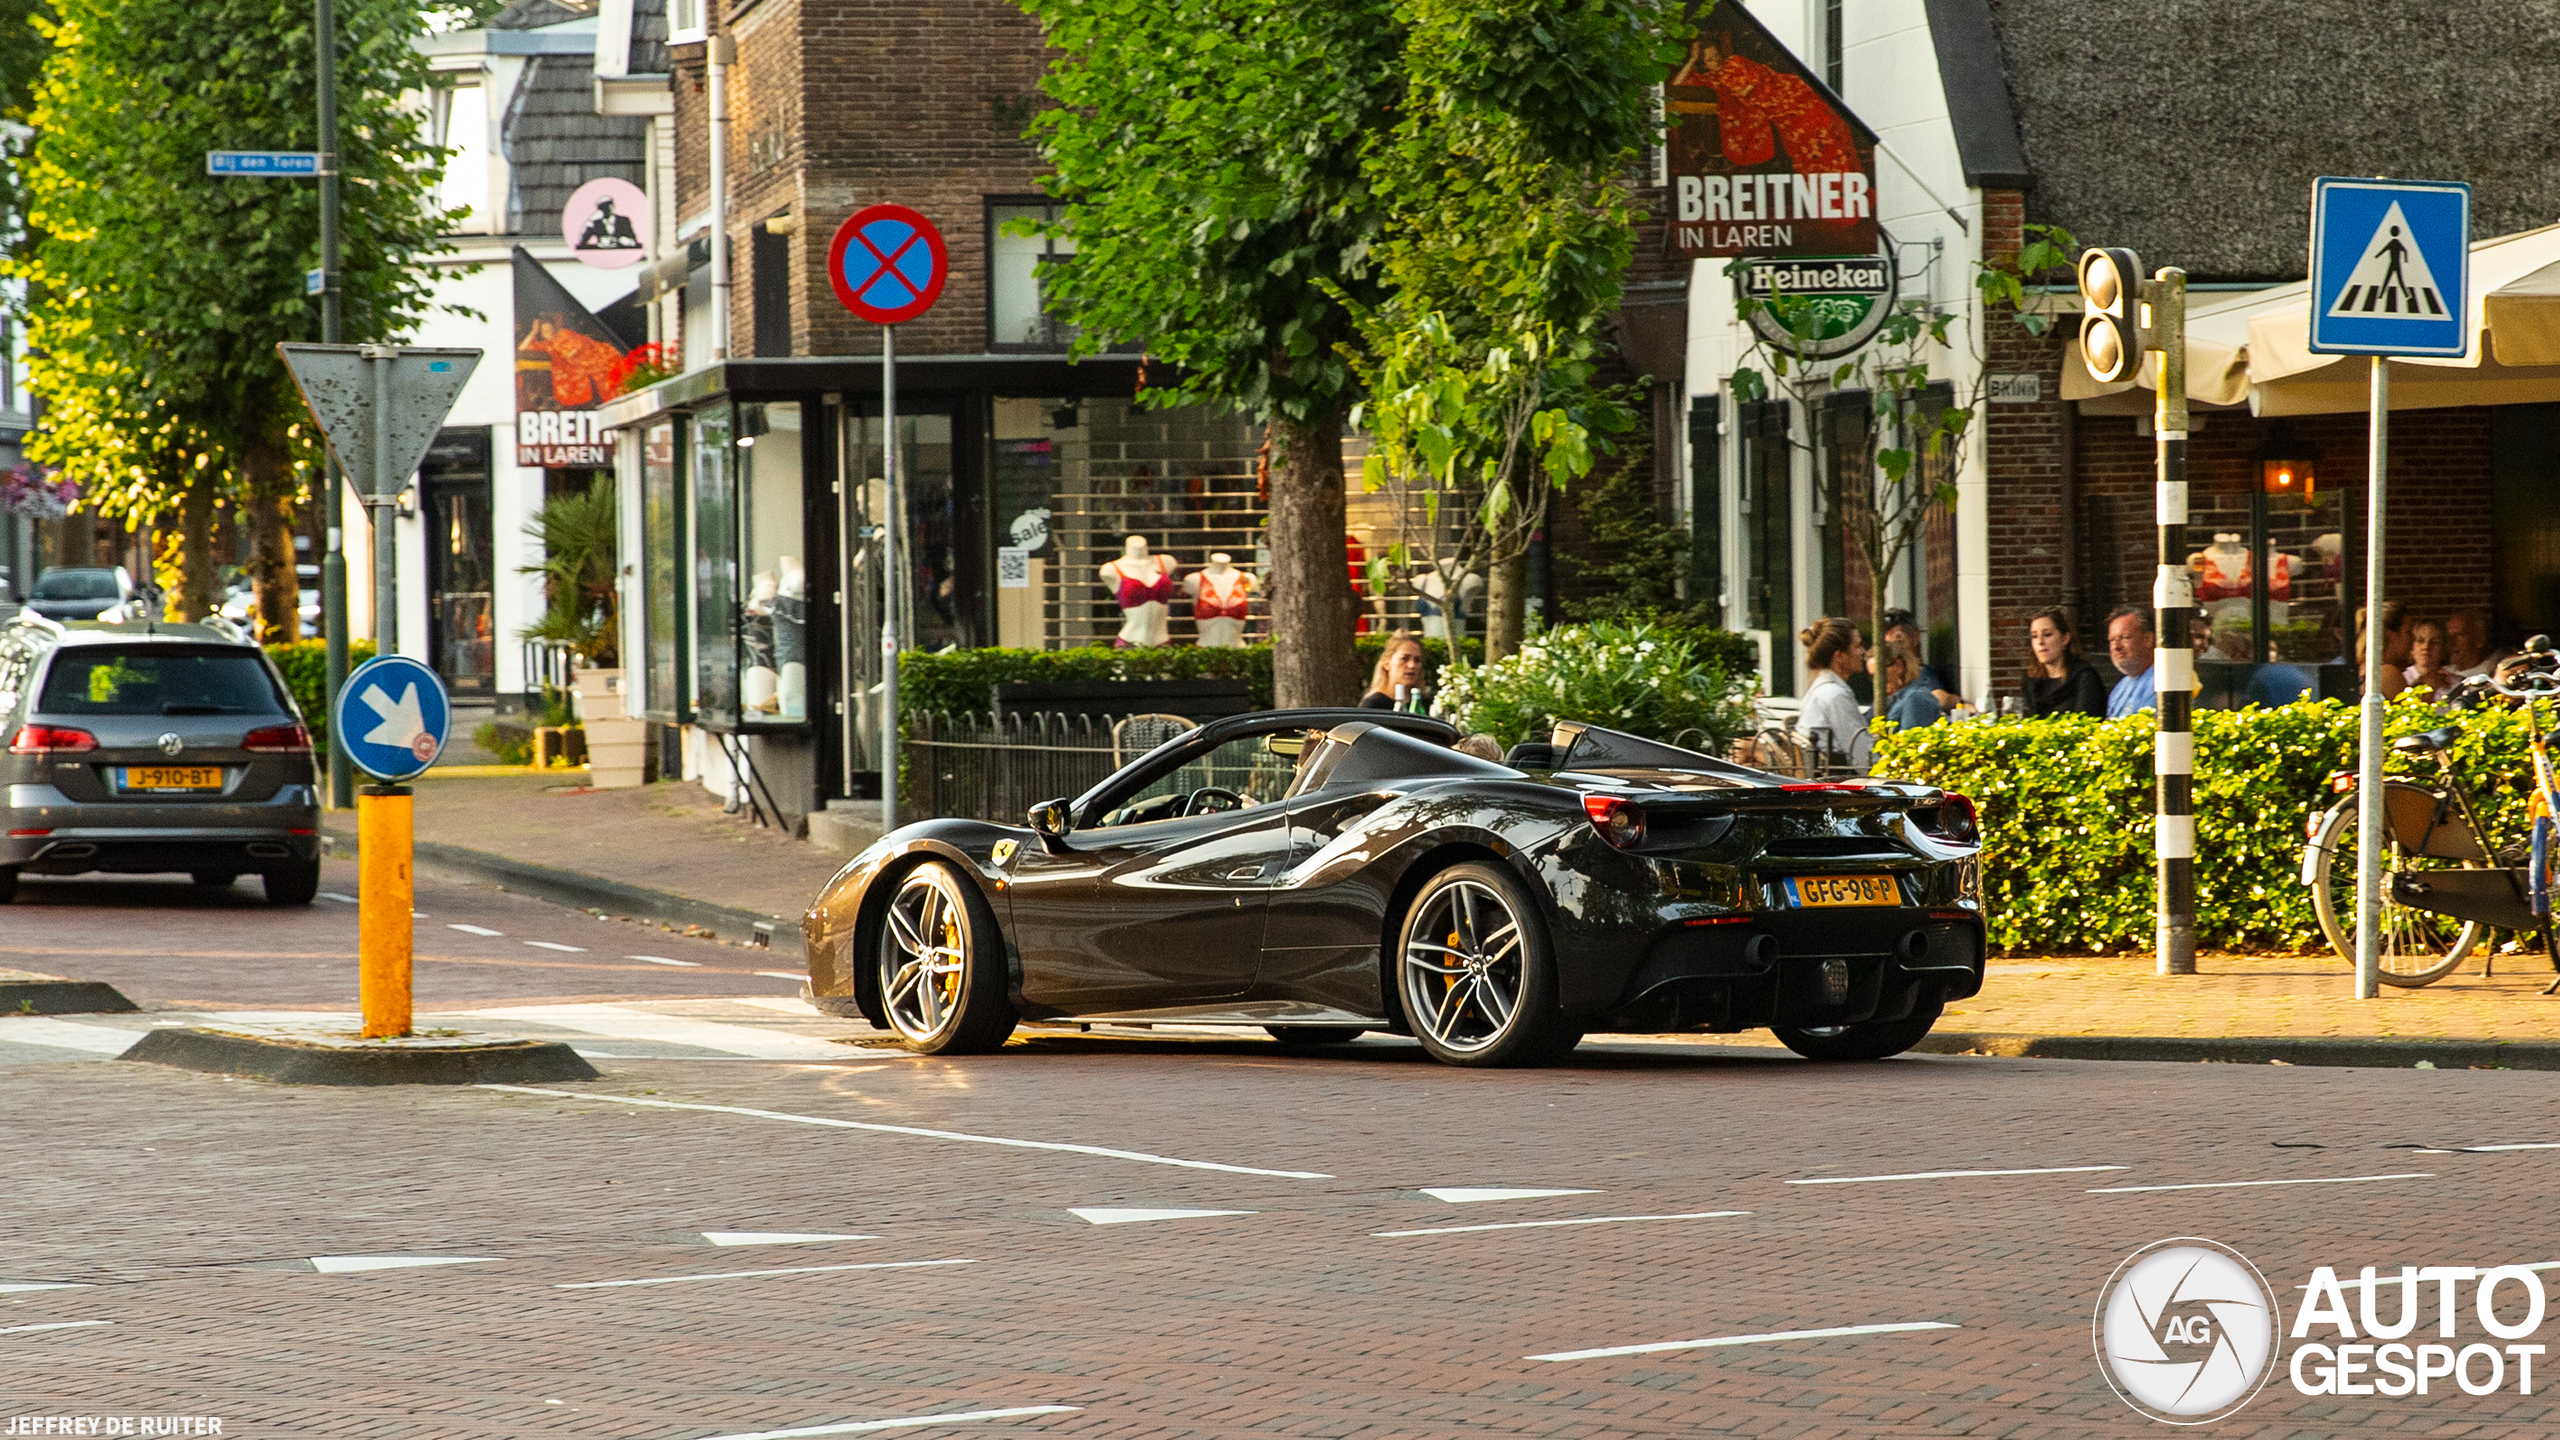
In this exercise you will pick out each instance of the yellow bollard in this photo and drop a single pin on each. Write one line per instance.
(384, 898)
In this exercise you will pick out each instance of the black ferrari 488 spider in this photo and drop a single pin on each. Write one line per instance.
(1322, 873)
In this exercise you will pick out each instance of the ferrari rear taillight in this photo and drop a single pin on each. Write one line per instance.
(1619, 820)
(278, 740)
(50, 740)
(1956, 820)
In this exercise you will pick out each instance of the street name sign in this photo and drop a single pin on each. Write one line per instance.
(2390, 267)
(887, 264)
(392, 716)
(340, 385)
(286, 163)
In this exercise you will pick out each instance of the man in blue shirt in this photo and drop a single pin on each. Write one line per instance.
(2130, 641)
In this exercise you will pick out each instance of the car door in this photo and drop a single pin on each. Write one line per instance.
(1151, 907)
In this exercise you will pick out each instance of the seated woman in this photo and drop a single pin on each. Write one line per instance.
(2431, 661)
(1830, 719)
(1399, 669)
(2060, 680)
(1911, 691)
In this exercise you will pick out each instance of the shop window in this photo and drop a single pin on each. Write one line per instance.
(773, 620)
(661, 572)
(1017, 300)
(714, 533)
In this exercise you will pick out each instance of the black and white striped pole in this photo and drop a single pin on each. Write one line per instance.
(2116, 336)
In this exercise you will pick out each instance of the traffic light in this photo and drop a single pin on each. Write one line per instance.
(2110, 314)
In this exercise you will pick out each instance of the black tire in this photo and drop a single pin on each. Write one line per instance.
(937, 1001)
(1300, 1037)
(1476, 973)
(1872, 1041)
(295, 884)
(218, 879)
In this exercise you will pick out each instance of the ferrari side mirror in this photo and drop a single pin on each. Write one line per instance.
(1049, 818)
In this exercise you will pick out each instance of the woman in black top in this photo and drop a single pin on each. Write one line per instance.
(1399, 667)
(2060, 680)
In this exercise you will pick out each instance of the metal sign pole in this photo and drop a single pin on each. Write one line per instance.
(333, 561)
(2369, 809)
(889, 516)
(386, 511)
(2173, 658)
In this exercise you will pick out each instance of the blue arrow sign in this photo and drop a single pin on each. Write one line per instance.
(2390, 267)
(392, 716)
(262, 162)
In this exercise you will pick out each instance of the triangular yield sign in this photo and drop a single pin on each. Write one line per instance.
(356, 1264)
(2392, 281)
(339, 383)
(773, 1237)
(1470, 1194)
(1106, 1216)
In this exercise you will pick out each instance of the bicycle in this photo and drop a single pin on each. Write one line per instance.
(2442, 889)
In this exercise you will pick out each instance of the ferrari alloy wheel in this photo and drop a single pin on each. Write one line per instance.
(1475, 973)
(1871, 1041)
(942, 973)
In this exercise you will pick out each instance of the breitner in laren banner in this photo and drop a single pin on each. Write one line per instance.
(1764, 159)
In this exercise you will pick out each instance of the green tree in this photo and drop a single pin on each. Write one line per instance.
(164, 291)
(1212, 154)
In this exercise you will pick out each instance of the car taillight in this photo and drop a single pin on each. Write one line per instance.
(1956, 820)
(50, 739)
(278, 740)
(1619, 820)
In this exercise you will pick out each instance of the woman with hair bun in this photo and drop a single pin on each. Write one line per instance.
(1834, 651)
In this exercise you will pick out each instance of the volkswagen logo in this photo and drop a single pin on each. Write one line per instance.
(170, 744)
(2186, 1331)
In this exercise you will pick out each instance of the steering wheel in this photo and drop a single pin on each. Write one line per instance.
(1196, 803)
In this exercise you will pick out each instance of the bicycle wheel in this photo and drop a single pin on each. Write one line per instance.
(2419, 947)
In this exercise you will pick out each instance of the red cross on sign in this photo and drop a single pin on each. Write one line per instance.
(887, 264)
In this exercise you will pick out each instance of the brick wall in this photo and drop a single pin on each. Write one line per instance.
(2024, 444)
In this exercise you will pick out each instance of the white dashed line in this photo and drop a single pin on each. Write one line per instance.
(1106, 1215)
(21, 1287)
(478, 930)
(757, 1274)
(781, 975)
(360, 1264)
(1546, 1224)
(1774, 1335)
(1477, 1194)
(856, 1427)
(57, 1325)
(2488, 1149)
(2245, 1184)
(1954, 1174)
(341, 899)
(553, 945)
(663, 960)
(774, 1237)
(1139, 1156)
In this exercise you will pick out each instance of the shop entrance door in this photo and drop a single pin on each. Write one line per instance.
(461, 628)
(942, 546)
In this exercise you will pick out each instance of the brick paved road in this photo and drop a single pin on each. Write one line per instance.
(191, 1207)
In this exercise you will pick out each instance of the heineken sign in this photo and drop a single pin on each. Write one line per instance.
(1845, 297)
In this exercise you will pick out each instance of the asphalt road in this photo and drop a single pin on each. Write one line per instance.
(815, 1244)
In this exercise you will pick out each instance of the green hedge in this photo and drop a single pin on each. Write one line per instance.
(305, 664)
(2066, 806)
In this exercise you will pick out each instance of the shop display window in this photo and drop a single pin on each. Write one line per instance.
(661, 572)
(714, 554)
(773, 616)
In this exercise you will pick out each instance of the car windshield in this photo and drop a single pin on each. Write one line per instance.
(76, 585)
(1248, 770)
(157, 680)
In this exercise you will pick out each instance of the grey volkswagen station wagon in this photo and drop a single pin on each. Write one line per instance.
(147, 747)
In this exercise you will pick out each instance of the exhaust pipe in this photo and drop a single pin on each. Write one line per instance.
(1913, 947)
(1761, 951)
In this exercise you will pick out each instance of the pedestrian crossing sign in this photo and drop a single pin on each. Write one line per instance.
(2390, 267)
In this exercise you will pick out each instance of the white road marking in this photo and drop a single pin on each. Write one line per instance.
(23, 1286)
(856, 1427)
(1544, 1224)
(1955, 1174)
(477, 930)
(1108, 1154)
(787, 1004)
(1476, 1194)
(773, 1237)
(57, 1325)
(757, 1274)
(65, 1035)
(1711, 1343)
(781, 975)
(358, 1264)
(341, 899)
(619, 1023)
(2243, 1184)
(1105, 1215)
(2487, 1149)
(663, 960)
(554, 945)
(2358, 1284)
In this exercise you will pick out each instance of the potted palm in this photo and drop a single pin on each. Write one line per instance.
(577, 533)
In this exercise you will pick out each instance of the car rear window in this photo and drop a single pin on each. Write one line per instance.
(76, 585)
(157, 680)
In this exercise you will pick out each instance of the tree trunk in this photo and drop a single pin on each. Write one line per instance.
(194, 597)
(1313, 608)
(1506, 607)
(268, 515)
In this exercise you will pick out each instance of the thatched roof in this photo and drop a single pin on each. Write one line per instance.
(2190, 130)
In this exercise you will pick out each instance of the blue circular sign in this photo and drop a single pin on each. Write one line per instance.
(392, 716)
(887, 264)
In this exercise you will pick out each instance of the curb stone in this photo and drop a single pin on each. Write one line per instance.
(2375, 1053)
(224, 1053)
(62, 997)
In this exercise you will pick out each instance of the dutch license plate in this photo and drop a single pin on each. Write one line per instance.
(1817, 891)
(173, 777)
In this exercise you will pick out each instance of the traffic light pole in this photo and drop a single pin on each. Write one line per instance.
(333, 562)
(2173, 658)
